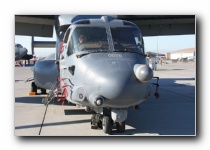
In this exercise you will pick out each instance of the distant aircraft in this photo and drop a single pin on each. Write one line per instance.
(153, 54)
(107, 73)
(21, 53)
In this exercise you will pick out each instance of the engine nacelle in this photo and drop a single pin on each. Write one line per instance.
(45, 73)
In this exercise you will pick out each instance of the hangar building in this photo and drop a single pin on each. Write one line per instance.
(188, 53)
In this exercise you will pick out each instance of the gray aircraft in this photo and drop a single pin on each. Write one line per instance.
(21, 53)
(100, 65)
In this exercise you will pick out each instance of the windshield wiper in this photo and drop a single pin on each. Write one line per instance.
(83, 53)
(80, 54)
(129, 50)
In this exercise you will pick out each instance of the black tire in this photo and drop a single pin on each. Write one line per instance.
(43, 91)
(107, 125)
(120, 126)
(33, 87)
(100, 125)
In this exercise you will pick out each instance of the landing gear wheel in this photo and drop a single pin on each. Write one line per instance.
(107, 124)
(43, 91)
(33, 87)
(100, 124)
(120, 126)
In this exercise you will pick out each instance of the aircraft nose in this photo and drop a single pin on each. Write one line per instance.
(143, 72)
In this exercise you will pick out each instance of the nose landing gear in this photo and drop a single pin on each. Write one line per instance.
(106, 123)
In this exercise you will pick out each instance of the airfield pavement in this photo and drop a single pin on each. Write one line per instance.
(172, 114)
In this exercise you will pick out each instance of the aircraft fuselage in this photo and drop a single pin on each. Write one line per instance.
(102, 66)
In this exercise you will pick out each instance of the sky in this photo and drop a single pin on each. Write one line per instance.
(160, 44)
(148, 7)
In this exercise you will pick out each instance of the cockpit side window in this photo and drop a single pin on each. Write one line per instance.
(70, 48)
(142, 44)
(64, 44)
(71, 44)
(65, 39)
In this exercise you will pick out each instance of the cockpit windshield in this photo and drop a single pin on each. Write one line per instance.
(95, 39)
(126, 39)
(89, 38)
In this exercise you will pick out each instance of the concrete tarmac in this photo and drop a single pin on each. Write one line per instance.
(172, 114)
